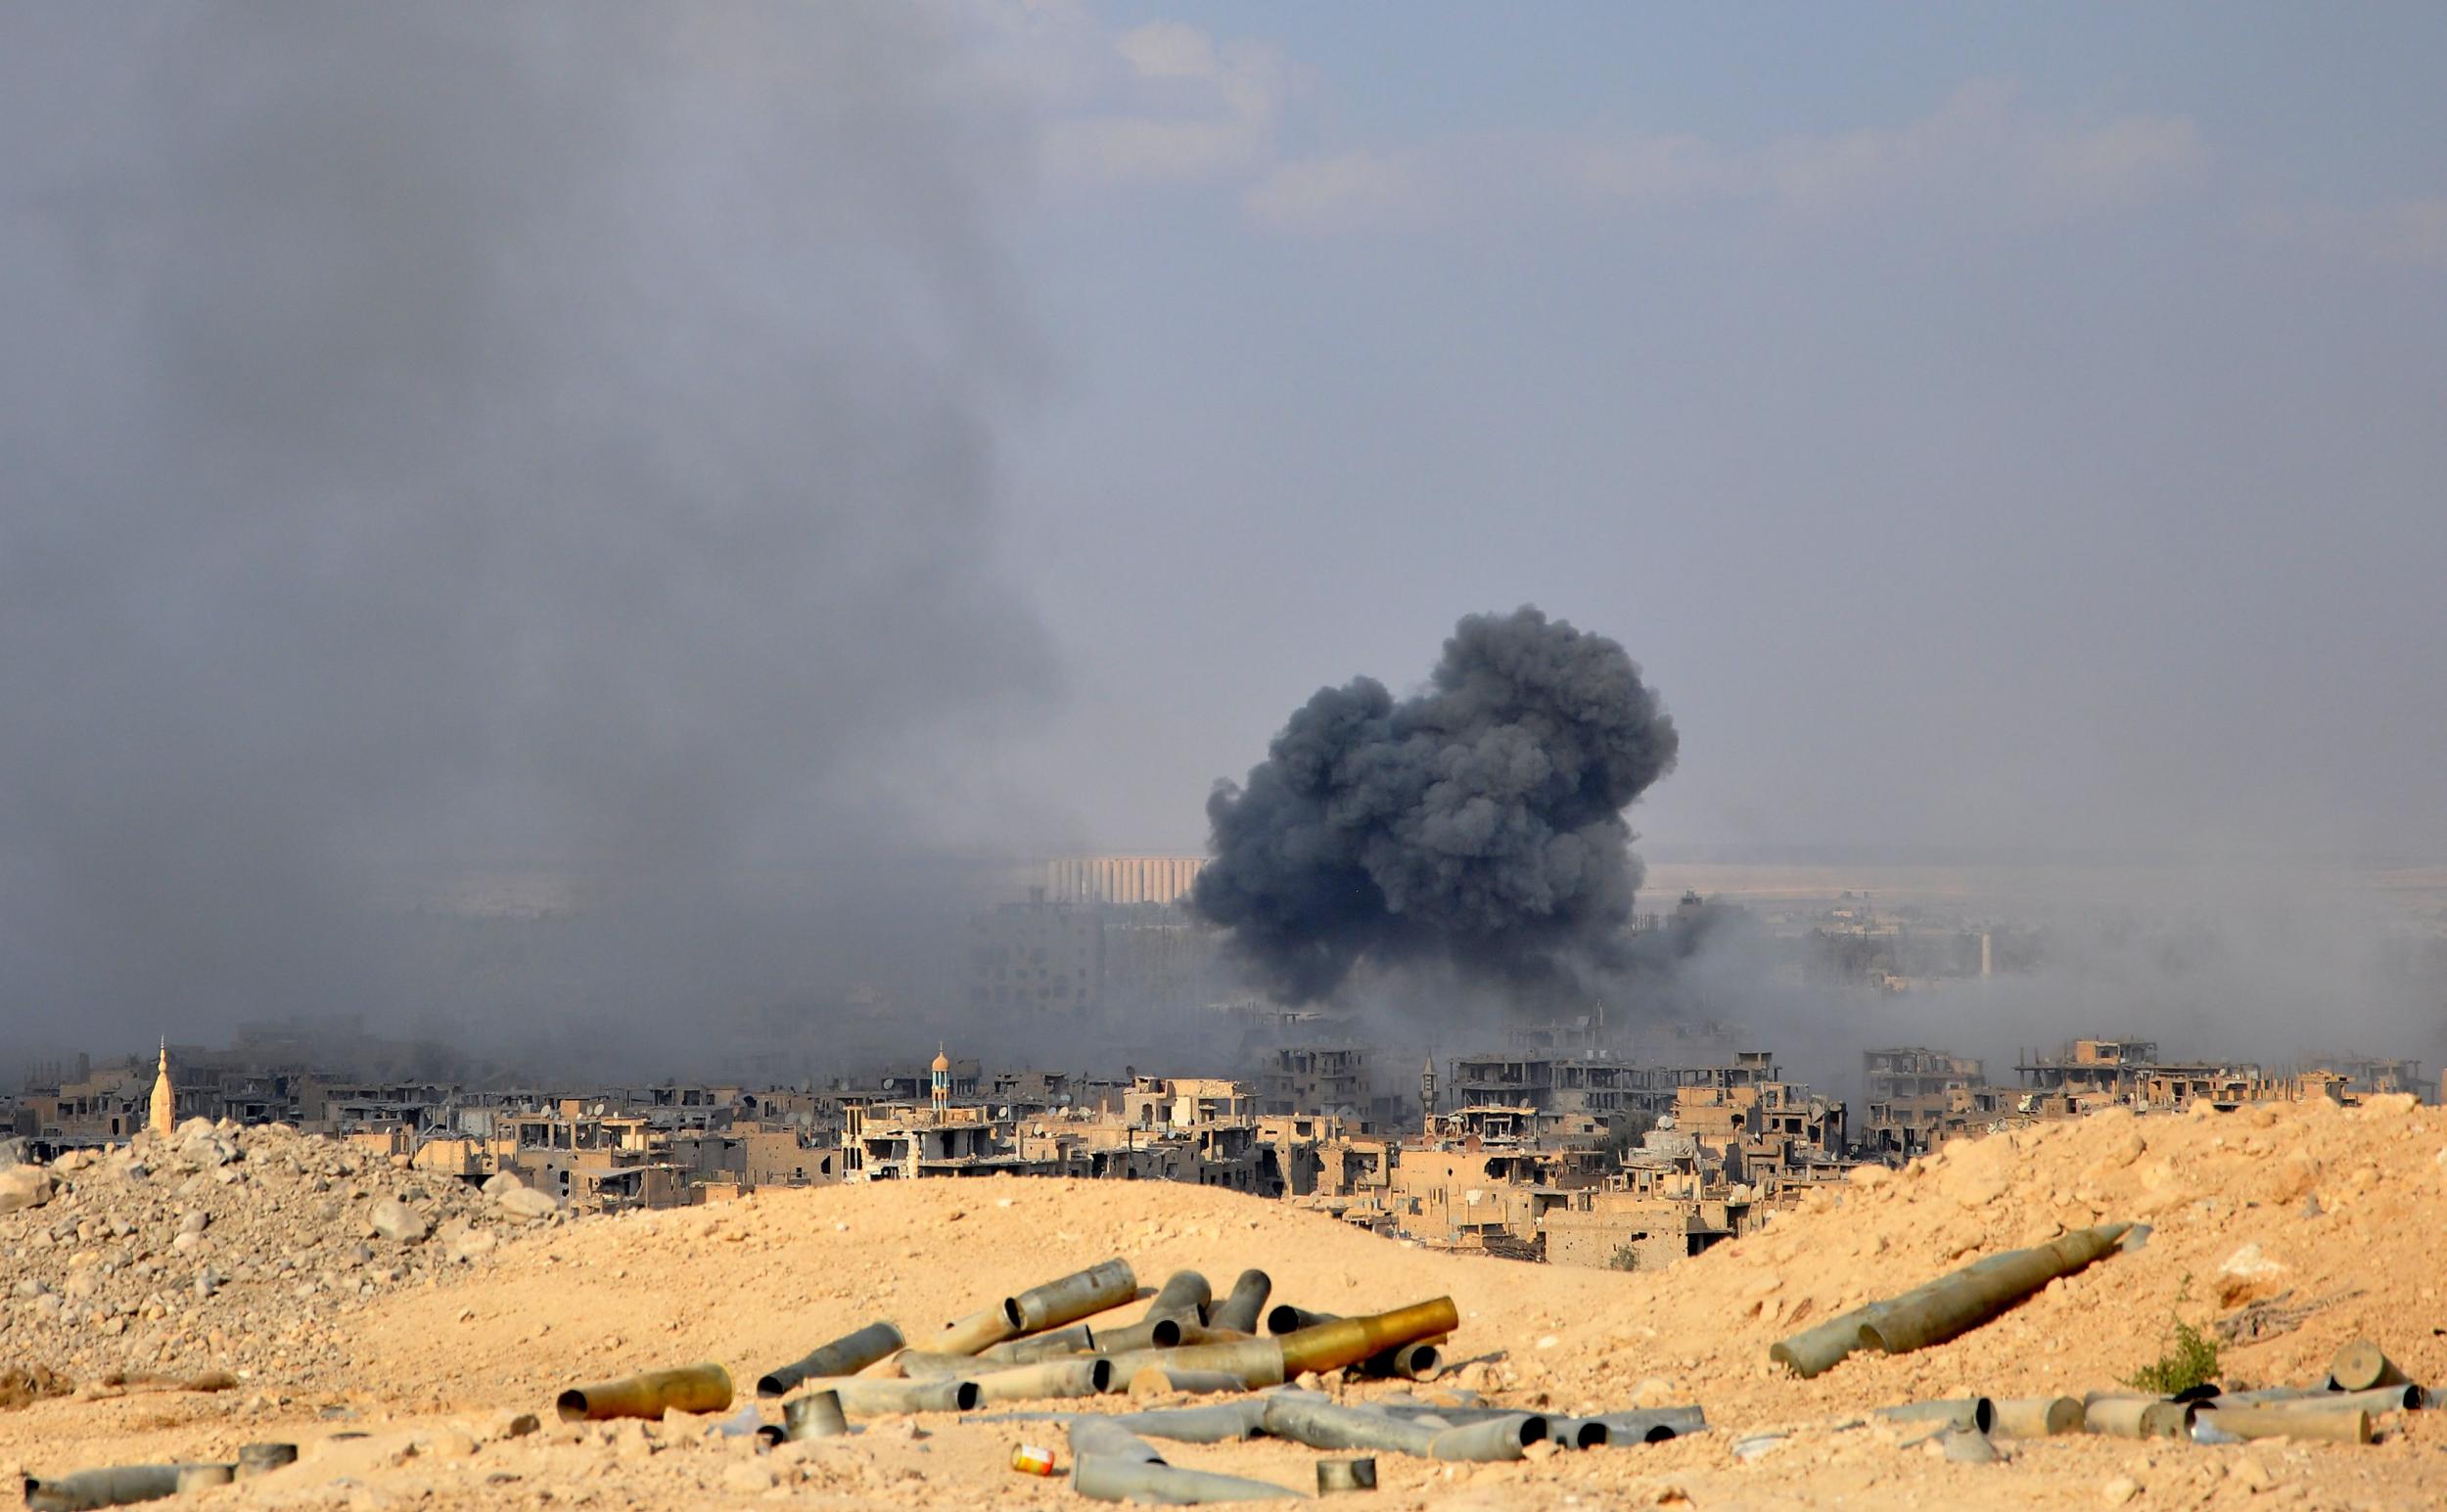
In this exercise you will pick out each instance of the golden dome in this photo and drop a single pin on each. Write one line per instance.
(943, 1062)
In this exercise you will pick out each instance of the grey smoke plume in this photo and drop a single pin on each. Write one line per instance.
(485, 436)
(1478, 823)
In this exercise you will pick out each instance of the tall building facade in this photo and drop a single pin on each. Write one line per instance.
(1120, 879)
(1037, 955)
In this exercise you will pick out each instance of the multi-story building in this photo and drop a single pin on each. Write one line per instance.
(1315, 1078)
(1036, 957)
(1121, 880)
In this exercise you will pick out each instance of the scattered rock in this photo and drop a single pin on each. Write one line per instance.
(469, 1244)
(1655, 1392)
(25, 1186)
(2118, 1491)
(395, 1221)
(525, 1202)
(447, 1443)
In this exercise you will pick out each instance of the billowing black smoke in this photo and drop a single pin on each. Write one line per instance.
(1479, 823)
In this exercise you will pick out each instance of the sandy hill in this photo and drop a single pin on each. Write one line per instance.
(2344, 1208)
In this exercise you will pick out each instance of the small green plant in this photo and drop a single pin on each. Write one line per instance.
(2190, 1359)
(1624, 1257)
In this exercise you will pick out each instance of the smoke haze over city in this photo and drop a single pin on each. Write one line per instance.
(554, 525)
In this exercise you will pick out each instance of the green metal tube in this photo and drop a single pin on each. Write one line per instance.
(2407, 1397)
(2360, 1366)
(113, 1486)
(846, 1356)
(876, 1396)
(977, 1331)
(1496, 1439)
(2330, 1425)
(1045, 1380)
(816, 1415)
(1110, 1463)
(2265, 1394)
(1155, 1333)
(1241, 1311)
(254, 1459)
(1650, 1425)
(1068, 1298)
(1565, 1432)
(2037, 1417)
(1419, 1361)
(1253, 1362)
(1078, 1339)
(1156, 1381)
(1107, 1437)
(1218, 1422)
(1328, 1346)
(649, 1395)
(1956, 1302)
(1284, 1318)
(929, 1365)
(2138, 1417)
(1184, 1294)
(1321, 1424)
(1467, 1433)
(1816, 1350)
(1977, 1413)
(1103, 1478)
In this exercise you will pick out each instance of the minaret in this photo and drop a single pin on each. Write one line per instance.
(940, 1080)
(164, 1101)
(1427, 1097)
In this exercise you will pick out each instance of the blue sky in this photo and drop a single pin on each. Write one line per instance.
(2004, 431)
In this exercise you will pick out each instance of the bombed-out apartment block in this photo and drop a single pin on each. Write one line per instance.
(1920, 1098)
(2096, 1073)
(1322, 1156)
(1556, 1176)
(1199, 1130)
(1911, 1099)
(1315, 1078)
(1613, 1091)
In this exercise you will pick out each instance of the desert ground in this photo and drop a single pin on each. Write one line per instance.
(402, 1365)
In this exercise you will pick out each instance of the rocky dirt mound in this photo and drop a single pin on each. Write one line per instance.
(2342, 1211)
(243, 1250)
(2340, 1207)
